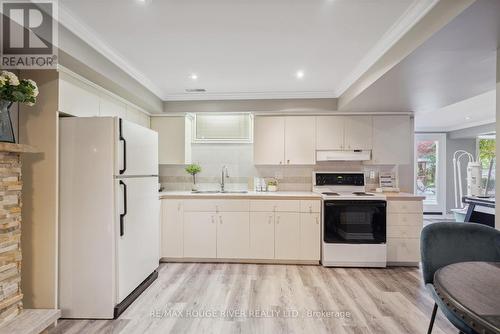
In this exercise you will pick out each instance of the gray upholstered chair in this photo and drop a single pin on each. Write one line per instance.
(442, 244)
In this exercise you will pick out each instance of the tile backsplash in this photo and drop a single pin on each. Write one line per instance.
(239, 161)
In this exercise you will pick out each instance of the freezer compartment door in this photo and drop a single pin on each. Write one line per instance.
(137, 150)
(137, 232)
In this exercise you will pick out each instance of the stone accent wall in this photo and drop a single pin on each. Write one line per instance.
(10, 236)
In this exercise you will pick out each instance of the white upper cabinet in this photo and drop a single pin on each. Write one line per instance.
(80, 98)
(392, 137)
(109, 106)
(286, 140)
(358, 132)
(329, 132)
(344, 132)
(269, 140)
(174, 139)
(300, 140)
(76, 98)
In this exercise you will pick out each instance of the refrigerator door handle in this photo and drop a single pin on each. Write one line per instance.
(122, 215)
(121, 138)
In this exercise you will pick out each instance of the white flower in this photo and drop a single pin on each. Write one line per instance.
(2, 81)
(13, 80)
(35, 89)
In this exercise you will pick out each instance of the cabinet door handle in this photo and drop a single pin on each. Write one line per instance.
(281, 162)
(179, 207)
(213, 220)
(288, 161)
(310, 209)
(220, 219)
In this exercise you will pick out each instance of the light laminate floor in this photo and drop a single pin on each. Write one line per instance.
(248, 298)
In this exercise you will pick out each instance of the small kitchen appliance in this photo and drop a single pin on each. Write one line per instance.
(354, 221)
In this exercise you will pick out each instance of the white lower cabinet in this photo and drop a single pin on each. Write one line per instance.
(287, 236)
(200, 235)
(241, 229)
(310, 230)
(262, 235)
(404, 225)
(172, 228)
(233, 239)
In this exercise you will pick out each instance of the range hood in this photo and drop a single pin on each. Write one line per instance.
(337, 155)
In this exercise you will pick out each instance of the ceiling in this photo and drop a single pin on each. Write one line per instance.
(447, 78)
(477, 110)
(242, 49)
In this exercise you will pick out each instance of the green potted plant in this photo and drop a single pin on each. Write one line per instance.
(193, 169)
(13, 90)
(272, 185)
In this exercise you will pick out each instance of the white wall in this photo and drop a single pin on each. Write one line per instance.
(497, 176)
(83, 59)
(239, 160)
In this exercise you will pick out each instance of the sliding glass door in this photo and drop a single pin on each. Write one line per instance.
(430, 171)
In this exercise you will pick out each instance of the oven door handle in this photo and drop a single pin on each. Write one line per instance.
(378, 204)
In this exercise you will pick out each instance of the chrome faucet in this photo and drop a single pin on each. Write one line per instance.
(223, 177)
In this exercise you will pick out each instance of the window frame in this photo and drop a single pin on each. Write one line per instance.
(196, 140)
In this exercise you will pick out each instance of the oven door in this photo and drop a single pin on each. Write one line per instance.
(354, 221)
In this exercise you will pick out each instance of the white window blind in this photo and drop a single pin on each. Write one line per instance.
(223, 128)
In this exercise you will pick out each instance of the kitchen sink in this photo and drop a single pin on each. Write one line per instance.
(205, 191)
(220, 192)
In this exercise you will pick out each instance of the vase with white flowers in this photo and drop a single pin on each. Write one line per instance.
(13, 90)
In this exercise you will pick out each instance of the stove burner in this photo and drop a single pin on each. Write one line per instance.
(330, 194)
(361, 193)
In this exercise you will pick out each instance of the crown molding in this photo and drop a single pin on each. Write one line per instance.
(100, 89)
(411, 16)
(249, 96)
(417, 10)
(90, 37)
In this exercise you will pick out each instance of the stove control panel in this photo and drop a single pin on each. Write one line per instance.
(340, 179)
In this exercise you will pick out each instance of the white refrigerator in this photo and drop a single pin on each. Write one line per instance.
(108, 215)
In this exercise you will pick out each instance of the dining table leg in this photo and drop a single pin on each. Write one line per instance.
(434, 311)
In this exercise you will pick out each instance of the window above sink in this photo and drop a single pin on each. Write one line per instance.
(223, 128)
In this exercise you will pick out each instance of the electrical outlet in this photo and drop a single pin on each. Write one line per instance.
(372, 174)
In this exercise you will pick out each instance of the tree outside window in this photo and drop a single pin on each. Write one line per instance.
(486, 156)
(426, 168)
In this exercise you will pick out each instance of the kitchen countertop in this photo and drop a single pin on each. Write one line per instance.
(403, 197)
(248, 195)
(391, 196)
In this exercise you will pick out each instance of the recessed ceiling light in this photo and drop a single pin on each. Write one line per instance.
(299, 74)
(194, 76)
(467, 118)
(196, 90)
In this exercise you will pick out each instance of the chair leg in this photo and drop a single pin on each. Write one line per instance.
(434, 311)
